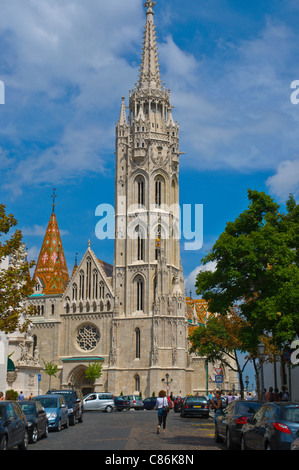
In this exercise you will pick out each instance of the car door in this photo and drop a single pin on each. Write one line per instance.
(269, 418)
(91, 402)
(258, 428)
(222, 421)
(11, 425)
(251, 436)
(41, 419)
(19, 419)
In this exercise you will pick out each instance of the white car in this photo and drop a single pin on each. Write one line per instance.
(99, 402)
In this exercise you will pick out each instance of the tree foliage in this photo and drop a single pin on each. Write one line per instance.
(93, 372)
(15, 282)
(257, 269)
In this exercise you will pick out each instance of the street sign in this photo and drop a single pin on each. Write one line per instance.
(218, 379)
(39, 377)
(218, 371)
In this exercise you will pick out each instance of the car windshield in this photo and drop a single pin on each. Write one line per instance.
(195, 400)
(247, 408)
(68, 396)
(2, 411)
(48, 402)
(291, 413)
(27, 408)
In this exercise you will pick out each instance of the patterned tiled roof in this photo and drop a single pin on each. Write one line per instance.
(51, 266)
(198, 307)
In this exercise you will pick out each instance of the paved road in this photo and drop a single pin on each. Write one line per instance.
(132, 430)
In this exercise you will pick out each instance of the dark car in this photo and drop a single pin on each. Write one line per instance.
(13, 426)
(36, 419)
(273, 427)
(229, 425)
(149, 403)
(195, 406)
(74, 401)
(177, 404)
(121, 403)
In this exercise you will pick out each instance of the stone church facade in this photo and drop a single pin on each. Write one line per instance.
(131, 317)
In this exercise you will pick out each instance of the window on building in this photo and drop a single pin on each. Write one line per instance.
(81, 285)
(137, 383)
(139, 286)
(137, 343)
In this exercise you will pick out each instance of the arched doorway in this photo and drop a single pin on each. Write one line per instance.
(78, 380)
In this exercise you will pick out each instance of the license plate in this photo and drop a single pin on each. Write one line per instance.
(197, 406)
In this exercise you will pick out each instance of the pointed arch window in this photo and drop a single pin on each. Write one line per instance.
(81, 285)
(137, 343)
(139, 289)
(140, 244)
(74, 293)
(101, 290)
(137, 383)
(88, 278)
(95, 284)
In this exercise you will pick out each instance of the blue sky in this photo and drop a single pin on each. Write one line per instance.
(65, 64)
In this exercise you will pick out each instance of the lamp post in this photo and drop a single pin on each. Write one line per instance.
(261, 352)
(247, 383)
(167, 382)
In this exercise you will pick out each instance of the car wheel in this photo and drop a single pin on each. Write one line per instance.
(268, 446)
(108, 409)
(80, 420)
(46, 433)
(217, 437)
(34, 436)
(3, 443)
(72, 420)
(243, 444)
(24, 444)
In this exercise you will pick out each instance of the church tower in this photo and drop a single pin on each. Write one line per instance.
(149, 323)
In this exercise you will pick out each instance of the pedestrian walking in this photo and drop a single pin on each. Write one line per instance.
(284, 394)
(21, 397)
(163, 409)
(217, 404)
(275, 395)
(269, 395)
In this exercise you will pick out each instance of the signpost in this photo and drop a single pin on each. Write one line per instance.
(218, 379)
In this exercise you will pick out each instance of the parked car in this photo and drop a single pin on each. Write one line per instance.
(36, 419)
(195, 406)
(121, 404)
(229, 425)
(74, 402)
(56, 409)
(99, 402)
(295, 444)
(13, 426)
(149, 403)
(135, 402)
(273, 427)
(177, 404)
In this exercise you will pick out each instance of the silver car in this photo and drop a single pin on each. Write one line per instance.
(99, 402)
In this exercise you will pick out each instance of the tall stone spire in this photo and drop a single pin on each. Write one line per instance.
(51, 265)
(149, 73)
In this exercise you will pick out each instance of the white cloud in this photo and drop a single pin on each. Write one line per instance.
(286, 180)
(190, 280)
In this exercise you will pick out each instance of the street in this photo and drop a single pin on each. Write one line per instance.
(132, 430)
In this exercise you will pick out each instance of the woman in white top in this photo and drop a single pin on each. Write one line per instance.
(162, 405)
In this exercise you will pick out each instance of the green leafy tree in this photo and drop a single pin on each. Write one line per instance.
(15, 282)
(257, 269)
(93, 372)
(51, 370)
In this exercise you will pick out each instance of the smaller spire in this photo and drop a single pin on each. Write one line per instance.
(123, 117)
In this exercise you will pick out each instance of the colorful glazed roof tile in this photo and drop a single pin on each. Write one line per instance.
(197, 308)
(51, 266)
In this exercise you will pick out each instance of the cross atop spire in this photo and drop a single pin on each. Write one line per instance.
(150, 72)
(150, 5)
(54, 197)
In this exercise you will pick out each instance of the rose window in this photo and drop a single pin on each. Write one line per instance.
(88, 337)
